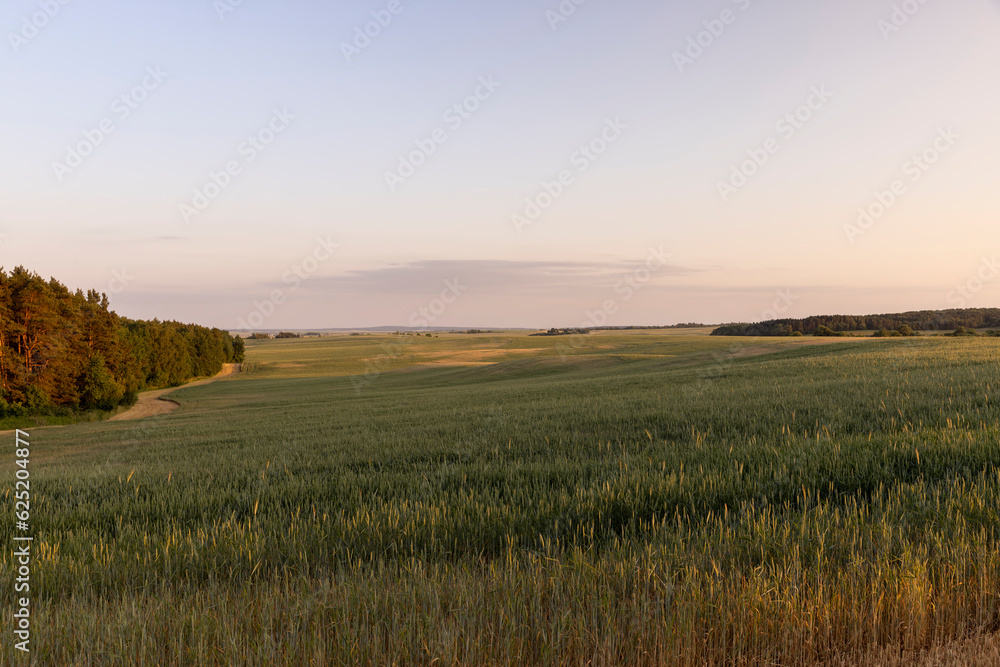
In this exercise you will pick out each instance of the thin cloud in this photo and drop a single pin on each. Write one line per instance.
(487, 276)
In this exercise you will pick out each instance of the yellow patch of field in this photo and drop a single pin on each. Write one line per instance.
(476, 357)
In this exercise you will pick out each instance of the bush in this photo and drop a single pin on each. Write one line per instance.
(36, 400)
(98, 389)
(886, 333)
(962, 331)
(11, 409)
(823, 330)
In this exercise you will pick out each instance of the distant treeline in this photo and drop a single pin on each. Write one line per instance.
(562, 332)
(577, 332)
(64, 351)
(685, 325)
(921, 320)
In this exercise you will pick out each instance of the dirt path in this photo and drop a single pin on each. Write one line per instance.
(152, 403)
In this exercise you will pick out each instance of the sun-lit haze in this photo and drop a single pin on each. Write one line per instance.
(224, 162)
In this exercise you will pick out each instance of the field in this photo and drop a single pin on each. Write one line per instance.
(623, 498)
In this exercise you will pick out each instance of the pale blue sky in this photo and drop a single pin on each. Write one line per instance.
(892, 94)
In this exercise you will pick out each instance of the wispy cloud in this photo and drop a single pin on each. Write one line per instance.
(488, 276)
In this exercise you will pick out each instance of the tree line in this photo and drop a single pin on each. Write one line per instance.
(920, 320)
(634, 327)
(63, 351)
(562, 332)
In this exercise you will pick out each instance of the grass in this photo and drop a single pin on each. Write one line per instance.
(338, 356)
(37, 421)
(632, 498)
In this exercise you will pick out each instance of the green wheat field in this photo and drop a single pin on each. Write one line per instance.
(497, 499)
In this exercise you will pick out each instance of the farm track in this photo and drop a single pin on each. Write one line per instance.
(153, 403)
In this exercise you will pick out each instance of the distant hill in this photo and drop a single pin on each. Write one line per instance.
(918, 320)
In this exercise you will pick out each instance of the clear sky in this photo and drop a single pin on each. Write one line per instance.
(644, 162)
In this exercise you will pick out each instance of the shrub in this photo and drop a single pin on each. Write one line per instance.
(962, 331)
(823, 330)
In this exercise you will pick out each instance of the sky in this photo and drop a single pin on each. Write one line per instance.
(307, 164)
